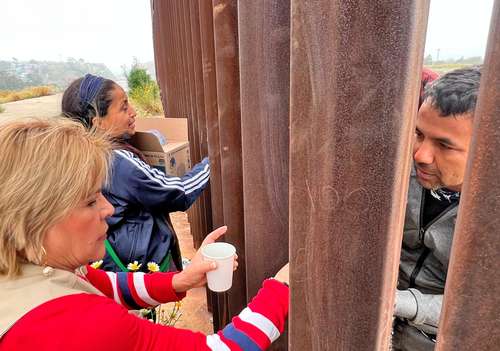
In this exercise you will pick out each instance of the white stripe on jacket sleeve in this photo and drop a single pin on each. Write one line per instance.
(260, 322)
(164, 181)
(154, 171)
(215, 343)
(140, 288)
(201, 183)
(162, 176)
(199, 175)
(112, 279)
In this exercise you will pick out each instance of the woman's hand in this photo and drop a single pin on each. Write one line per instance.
(283, 274)
(194, 275)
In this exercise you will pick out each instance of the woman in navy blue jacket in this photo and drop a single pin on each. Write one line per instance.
(140, 229)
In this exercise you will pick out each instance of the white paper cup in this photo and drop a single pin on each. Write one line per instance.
(220, 279)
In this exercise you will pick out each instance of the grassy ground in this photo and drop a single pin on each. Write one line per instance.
(27, 93)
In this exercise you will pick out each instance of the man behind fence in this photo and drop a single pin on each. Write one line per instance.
(441, 145)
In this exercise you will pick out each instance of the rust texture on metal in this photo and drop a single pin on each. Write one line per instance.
(471, 310)
(265, 90)
(264, 37)
(354, 87)
(225, 17)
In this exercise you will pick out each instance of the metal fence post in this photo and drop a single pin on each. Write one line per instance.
(355, 69)
(471, 309)
(265, 95)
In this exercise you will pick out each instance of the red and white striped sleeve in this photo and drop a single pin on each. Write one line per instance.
(134, 290)
(254, 329)
(258, 325)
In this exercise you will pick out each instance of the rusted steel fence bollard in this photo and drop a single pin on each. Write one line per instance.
(354, 86)
(173, 46)
(215, 302)
(344, 75)
(471, 310)
(265, 90)
(228, 100)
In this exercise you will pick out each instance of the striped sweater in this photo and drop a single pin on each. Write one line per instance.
(90, 322)
(134, 290)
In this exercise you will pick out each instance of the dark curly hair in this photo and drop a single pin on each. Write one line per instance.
(455, 92)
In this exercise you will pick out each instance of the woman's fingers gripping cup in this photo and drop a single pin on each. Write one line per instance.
(223, 254)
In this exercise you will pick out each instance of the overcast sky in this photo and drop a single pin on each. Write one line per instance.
(107, 31)
(115, 31)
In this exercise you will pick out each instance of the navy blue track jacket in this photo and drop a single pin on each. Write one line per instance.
(142, 197)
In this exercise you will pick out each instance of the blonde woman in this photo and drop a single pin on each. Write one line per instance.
(53, 222)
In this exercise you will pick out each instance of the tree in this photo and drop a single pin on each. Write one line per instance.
(138, 78)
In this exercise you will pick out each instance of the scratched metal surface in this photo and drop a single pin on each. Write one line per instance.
(354, 86)
(471, 310)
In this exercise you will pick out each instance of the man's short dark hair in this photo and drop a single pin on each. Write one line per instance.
(455, 92)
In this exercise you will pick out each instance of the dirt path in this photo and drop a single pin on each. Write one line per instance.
(45, 106)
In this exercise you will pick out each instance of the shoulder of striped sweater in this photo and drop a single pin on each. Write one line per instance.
(122, 153)
(125, 158)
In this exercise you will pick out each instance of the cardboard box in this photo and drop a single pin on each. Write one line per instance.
(173, 156)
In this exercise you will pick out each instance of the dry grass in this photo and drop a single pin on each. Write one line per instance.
(27, 93)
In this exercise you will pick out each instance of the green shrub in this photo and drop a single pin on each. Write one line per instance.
(2, 109)
(146, 99)
(138, 78)
(144, 93)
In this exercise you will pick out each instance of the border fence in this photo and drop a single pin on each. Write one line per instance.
(307, 110)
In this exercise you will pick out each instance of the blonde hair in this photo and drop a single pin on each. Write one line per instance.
(47, 167)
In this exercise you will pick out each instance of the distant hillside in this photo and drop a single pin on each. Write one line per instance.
(21, 74)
